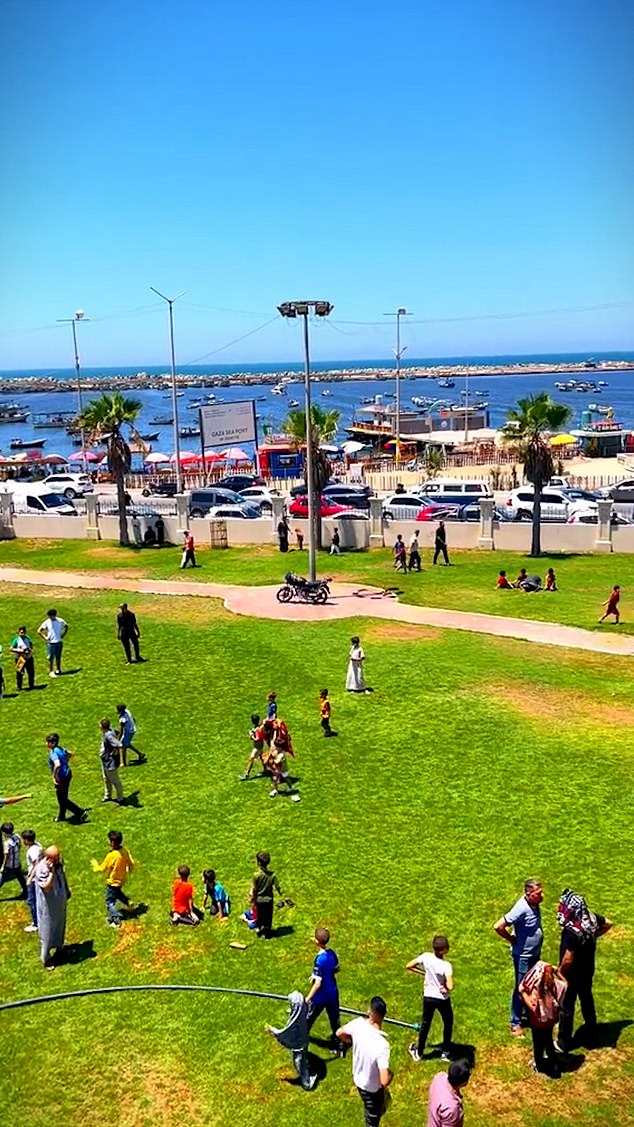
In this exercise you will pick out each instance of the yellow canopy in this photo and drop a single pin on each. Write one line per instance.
(563, 440)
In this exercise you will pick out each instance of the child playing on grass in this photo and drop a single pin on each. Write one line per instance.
(256, 735)
(1, 676)
(263, 887)
(271, 706)
(400, 554)
(294, 1036)
(183, 910)
(612, 605)
(127, 730)
(216, 895)
(324, 993)
(117, 864)
(277, 762)
(325, 712)
(436, 990)
(502, 583)
(551, 580)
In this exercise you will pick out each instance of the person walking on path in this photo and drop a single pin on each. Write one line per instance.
(109, 754)
(440, 543)
(580, 930)
(53, 630)
(355, 681)
(34, 854)
(128, 633)
(371, 1071)
(335, 541)
(526, 944)
(414, 552)
(22, 650)
(294, 1036)
(189, 555)
(542, 991)
(436, 996)
(11, 866)
(612, 605)
(263, 887)
(445, 1096)
(51, 897)
(127, 732)
(324, 993)
(59, 764)
(117, 865)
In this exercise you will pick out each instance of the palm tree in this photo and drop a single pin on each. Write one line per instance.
(323, 429)
(101, 420)
(527, 427)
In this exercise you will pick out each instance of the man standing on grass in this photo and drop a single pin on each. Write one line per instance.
(58, 761)
(445, 1098)
(128, 633)
(440, 543)
(526, 944)
(110, 756)
(53, 630)
(370, 1060)
(189, 555)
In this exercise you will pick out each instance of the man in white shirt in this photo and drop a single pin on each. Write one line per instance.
(53, 630)
(370, 1060)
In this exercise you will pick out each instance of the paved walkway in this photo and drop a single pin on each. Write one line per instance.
(347, 601)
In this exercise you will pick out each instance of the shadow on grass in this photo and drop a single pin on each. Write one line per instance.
(69, 672)
(78, 952)
(459, 1051)
(132, 799)
(282, 932)
(136, 912)
(606, 1035)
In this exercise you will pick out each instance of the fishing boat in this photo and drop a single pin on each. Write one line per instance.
(326, 392)
(279, 389)
(12, 414)
(33, 444)
(151, 437)
(293, 403)
(446, 382)
(161, 422)
(55, 420)
(179, 395)
(189, 432)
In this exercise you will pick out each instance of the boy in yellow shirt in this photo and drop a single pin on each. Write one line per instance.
(117, 864)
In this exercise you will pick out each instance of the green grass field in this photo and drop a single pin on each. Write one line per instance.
(475, 763)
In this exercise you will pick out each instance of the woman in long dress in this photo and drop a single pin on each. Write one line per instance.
(51, 893)
(355, 682)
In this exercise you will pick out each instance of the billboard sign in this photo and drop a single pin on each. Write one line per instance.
(227, 424)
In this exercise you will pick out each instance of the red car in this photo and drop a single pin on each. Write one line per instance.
(299, 508)
(439, 512)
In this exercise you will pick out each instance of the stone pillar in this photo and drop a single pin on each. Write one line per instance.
(603, 542)
(182, 512)
(377, 539)
(92, 516)
(485, 539)
(279, 506)
(7, 531)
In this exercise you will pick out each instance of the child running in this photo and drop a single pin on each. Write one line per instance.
(256, 735)
(216, 895)
(117, 865)
(436, 990)
(612, 605)
(127, 731)
(325, 712)
(183, 910)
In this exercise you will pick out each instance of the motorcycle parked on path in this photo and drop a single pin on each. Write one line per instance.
(304, 590)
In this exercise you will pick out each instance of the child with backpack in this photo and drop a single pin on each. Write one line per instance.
(216, 895)
(542, 991)
(436, 996)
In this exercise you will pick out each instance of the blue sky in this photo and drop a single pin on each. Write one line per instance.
(462, 158)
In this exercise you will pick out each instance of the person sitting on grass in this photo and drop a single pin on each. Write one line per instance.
(183, 910)
(551, 580)
(531, 584)
(502, 582)
(612, 605)
(216, 895)
(521, 577)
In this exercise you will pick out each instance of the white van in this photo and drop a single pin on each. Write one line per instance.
(34, 498)
(440, 487)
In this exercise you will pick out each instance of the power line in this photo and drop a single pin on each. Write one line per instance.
(230, 343)
(505, 316)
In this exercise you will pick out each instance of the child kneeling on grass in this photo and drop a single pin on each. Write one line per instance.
(216, 895)
(183, 910)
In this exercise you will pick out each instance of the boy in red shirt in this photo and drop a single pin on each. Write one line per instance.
(612, 604)
(183, 910)
(502, 582)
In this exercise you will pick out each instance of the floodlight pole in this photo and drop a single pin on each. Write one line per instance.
(177, 445)
(466, 406)
(72, 321)
(398, 352)
(302, 309)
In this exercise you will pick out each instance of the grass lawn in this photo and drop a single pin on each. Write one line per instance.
(477, 762)
(585, 581)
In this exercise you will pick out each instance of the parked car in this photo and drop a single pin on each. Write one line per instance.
(335, 488)
(442, 487)
(582, 514)
(234, 512)
(159, 489)
(299, 508)
(555, 504)
(34, 498)
(622, 492)
(202, 500)
(239, 481)
(260, 497)
(404, 506)
(580, 495)
(70, 484)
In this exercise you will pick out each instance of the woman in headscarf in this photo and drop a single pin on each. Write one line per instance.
(51, 896)
(580, 930)
(355, 681)
(294, 1036)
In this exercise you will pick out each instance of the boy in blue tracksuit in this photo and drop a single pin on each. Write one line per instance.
(324, 993)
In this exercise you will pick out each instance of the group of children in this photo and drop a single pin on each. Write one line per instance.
(271, 744)
(528, 583)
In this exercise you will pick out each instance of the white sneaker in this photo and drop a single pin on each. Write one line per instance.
(296, 798)
(31, 927)
(52, 674)
(413, 1052)
(273, 794)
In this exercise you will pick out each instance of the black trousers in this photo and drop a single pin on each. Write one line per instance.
(63, 801)
(430, 1006)
(582, 989)
(414, 561)
(373, 1106)
(126, 639)
(29, 669)
(264, 909)
(441, 550)
(332, 1010)
(544, 1050)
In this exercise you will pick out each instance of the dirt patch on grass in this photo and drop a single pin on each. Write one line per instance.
(561, 705)
(127, 937)
(152, 1095)
(165, 955)
(400, 632)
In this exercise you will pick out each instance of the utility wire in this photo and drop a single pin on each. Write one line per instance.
(502, 316)
(230, 343)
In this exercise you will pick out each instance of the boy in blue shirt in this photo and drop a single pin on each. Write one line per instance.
(324, 993)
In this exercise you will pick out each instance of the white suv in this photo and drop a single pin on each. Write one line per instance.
(70, 484)
(556, 504)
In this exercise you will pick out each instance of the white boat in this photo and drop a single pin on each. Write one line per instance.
(326, 392)
(279, 389)
(293, 403)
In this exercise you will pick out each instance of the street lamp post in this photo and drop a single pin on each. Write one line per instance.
(177, 445)
(398, 352)
(72, 321)
(302, 309)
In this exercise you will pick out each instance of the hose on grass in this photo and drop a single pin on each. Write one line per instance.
(21, 1003)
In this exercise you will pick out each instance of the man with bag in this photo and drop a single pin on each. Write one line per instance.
(110, 756)
(22, 650)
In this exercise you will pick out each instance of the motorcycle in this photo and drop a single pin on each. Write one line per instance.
(304, 590)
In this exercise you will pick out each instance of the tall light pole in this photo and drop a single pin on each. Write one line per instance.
(466, 406)
(72, 321)
(177, 444)
(302, 309)
(398, 352)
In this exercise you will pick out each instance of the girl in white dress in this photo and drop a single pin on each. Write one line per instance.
(355, 682)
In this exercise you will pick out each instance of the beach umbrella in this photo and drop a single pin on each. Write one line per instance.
(83, 455)
(211, 456)
(156, 459)
(54, 459)
(353, 447)
(563, 440)
(235, 454)
(186, 456)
